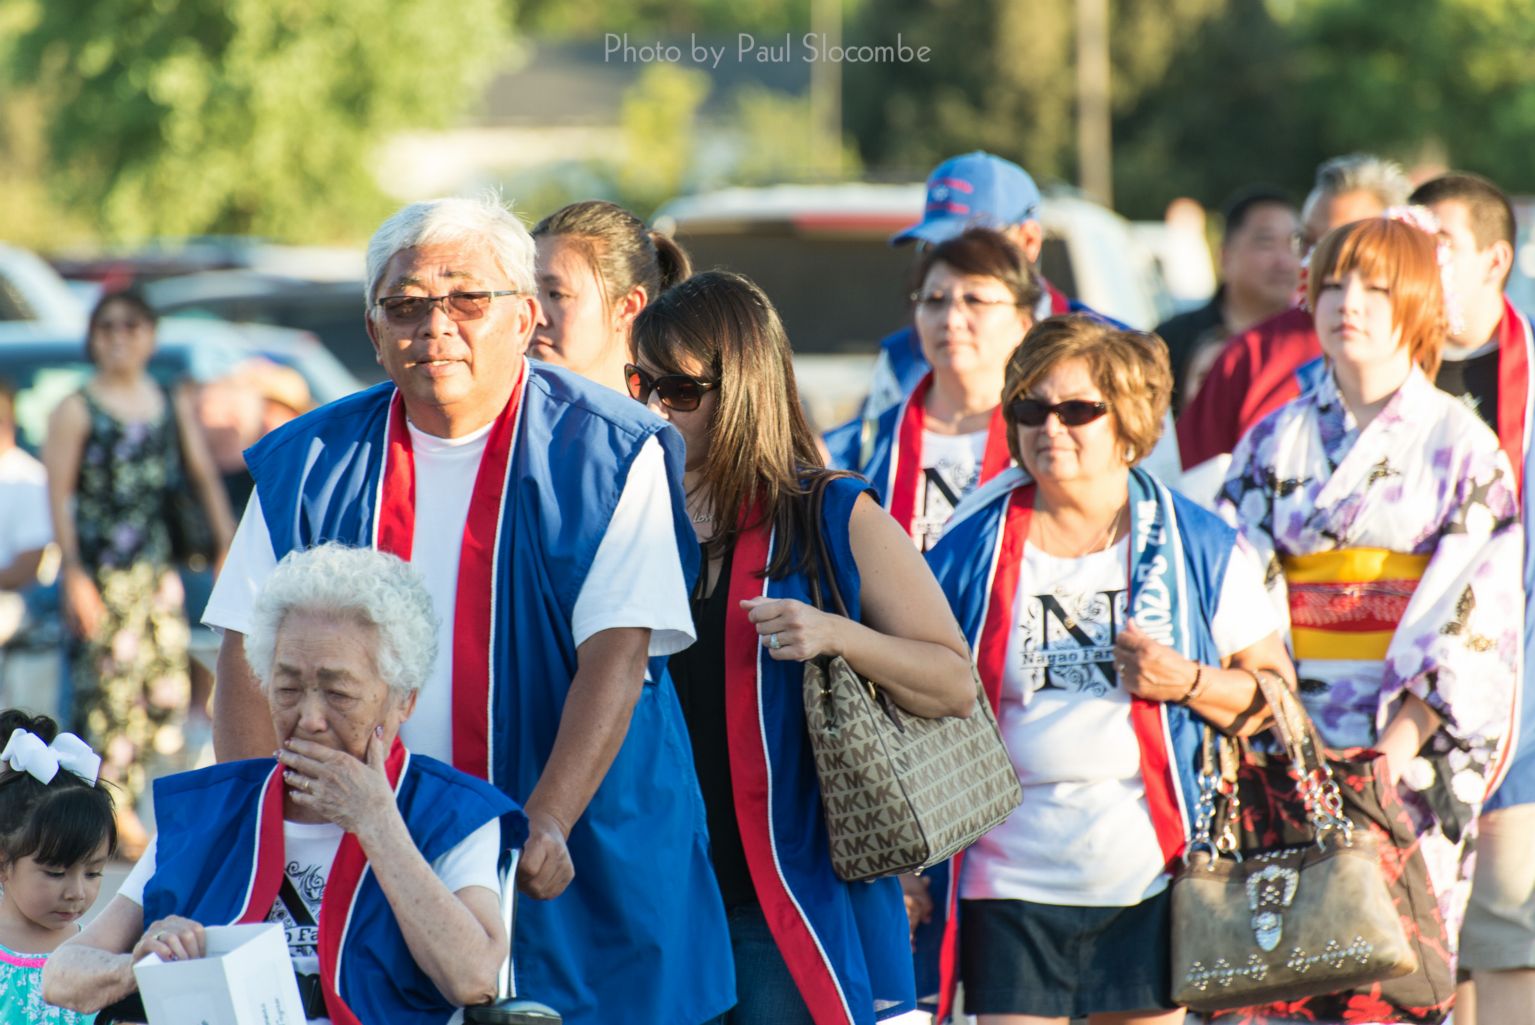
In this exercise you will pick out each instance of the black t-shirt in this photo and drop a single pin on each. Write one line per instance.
(1474, 381)
(698, 673)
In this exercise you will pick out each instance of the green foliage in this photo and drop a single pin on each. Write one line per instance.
(659, 116)
(779, 142)
(246, 116)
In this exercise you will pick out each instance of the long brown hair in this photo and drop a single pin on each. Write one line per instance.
(762, 454)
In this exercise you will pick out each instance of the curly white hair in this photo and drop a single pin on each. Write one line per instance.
(371, 586)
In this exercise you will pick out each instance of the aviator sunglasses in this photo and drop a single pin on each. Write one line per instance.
(1071, 413)
(678, 391)
(407, 309)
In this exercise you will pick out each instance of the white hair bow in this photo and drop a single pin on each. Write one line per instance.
(26, 752)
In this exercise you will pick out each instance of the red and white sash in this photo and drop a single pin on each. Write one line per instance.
(906, 454)
(473, 611)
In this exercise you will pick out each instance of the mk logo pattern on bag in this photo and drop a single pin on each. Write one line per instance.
(901, 792)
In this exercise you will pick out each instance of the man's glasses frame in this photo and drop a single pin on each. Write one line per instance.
(678, 392)
(459, 306)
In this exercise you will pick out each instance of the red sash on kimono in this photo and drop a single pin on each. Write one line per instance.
(341, 885)
(906, 459)
(472, 647)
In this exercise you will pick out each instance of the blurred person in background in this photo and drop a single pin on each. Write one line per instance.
(116, 451)
(1257, 371)
(713, 359)
(1386, 516)
(238, 409)
(25, 530)
(1057, 571)
(1487, 362)
(1259, 269)
(973, 190)
(976, 301)
(598, 265)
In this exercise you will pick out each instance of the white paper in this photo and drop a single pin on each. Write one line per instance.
(245, 979)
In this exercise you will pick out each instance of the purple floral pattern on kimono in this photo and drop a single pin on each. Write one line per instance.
(1426, 478)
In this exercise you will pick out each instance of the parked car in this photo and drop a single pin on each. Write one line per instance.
(46, 363)
(822, 253)
(32, 290)
(331, 310)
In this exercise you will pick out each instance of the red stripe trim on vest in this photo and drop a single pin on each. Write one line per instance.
(1058, 302)
(341, 889)
(906, 454)
(752, 786)
(472, 614)
(269, 858)
(1514, 358)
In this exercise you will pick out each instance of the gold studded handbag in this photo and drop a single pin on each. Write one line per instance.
(1310, 914)
(900, 792)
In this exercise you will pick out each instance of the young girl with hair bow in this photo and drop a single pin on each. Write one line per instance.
(56, 834)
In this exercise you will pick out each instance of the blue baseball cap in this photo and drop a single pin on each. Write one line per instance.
(974, 190)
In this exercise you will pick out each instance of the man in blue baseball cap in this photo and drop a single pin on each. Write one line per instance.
(976, 189)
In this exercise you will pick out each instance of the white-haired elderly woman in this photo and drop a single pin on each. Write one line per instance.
(380, 865)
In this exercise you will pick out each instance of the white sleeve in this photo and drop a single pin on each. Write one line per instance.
(636, 576)
(1245, 614)
(473, 862)
(139, 875)
(249, 563)
(34, 525)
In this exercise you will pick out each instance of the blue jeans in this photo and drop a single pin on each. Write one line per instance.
(765, 992)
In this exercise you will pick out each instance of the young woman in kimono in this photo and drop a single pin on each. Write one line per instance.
(1387, 517)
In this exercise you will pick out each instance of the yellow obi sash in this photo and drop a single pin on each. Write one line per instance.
(1346, 604)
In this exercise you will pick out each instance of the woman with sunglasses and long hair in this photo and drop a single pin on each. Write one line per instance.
(711, 356)
(1111, 618)
(598, 265)
(974, 302)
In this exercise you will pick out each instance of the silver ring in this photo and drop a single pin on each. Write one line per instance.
(773, 642)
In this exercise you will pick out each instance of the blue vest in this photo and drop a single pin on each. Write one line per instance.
(640, 934)
(205, 864)
(860, 929)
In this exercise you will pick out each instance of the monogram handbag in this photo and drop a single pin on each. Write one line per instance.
(1300, 892)
(901, 793)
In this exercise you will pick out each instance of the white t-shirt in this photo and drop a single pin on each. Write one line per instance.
(24, 521)
(635, 579)
(951, 468)
(309, 850)
(1083, 835)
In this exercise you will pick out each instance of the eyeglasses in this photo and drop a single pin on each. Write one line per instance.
(407, 309)
(678, 391)
(1071, 413)
(935, 303)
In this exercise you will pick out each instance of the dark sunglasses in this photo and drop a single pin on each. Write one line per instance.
(407, 309)
(1071, 413)
(678, 391)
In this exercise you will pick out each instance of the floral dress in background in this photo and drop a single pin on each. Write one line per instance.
(131, 687)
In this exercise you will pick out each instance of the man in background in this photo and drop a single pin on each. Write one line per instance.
(1259, 269)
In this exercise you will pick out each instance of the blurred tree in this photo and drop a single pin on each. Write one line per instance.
(659, 119)
(245, 116)
(561, 18)
(778, 142)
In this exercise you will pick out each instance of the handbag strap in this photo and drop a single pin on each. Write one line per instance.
(820, 558)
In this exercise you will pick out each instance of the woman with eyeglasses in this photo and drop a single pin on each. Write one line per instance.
(974, 304)
(1111, 619)
(598, 265)
(711, 356)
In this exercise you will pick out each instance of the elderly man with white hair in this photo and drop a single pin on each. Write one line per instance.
(546, 514)
(369, 856)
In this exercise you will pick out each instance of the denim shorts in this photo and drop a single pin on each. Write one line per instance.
(1017, 957)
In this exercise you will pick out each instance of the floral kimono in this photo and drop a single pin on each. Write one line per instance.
(1395, 553)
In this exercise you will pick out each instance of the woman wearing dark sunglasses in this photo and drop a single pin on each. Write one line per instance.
(1111, 618)
(711, 356)
(974, 302)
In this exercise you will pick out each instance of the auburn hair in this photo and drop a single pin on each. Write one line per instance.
(1407, 260)
(762, 454)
